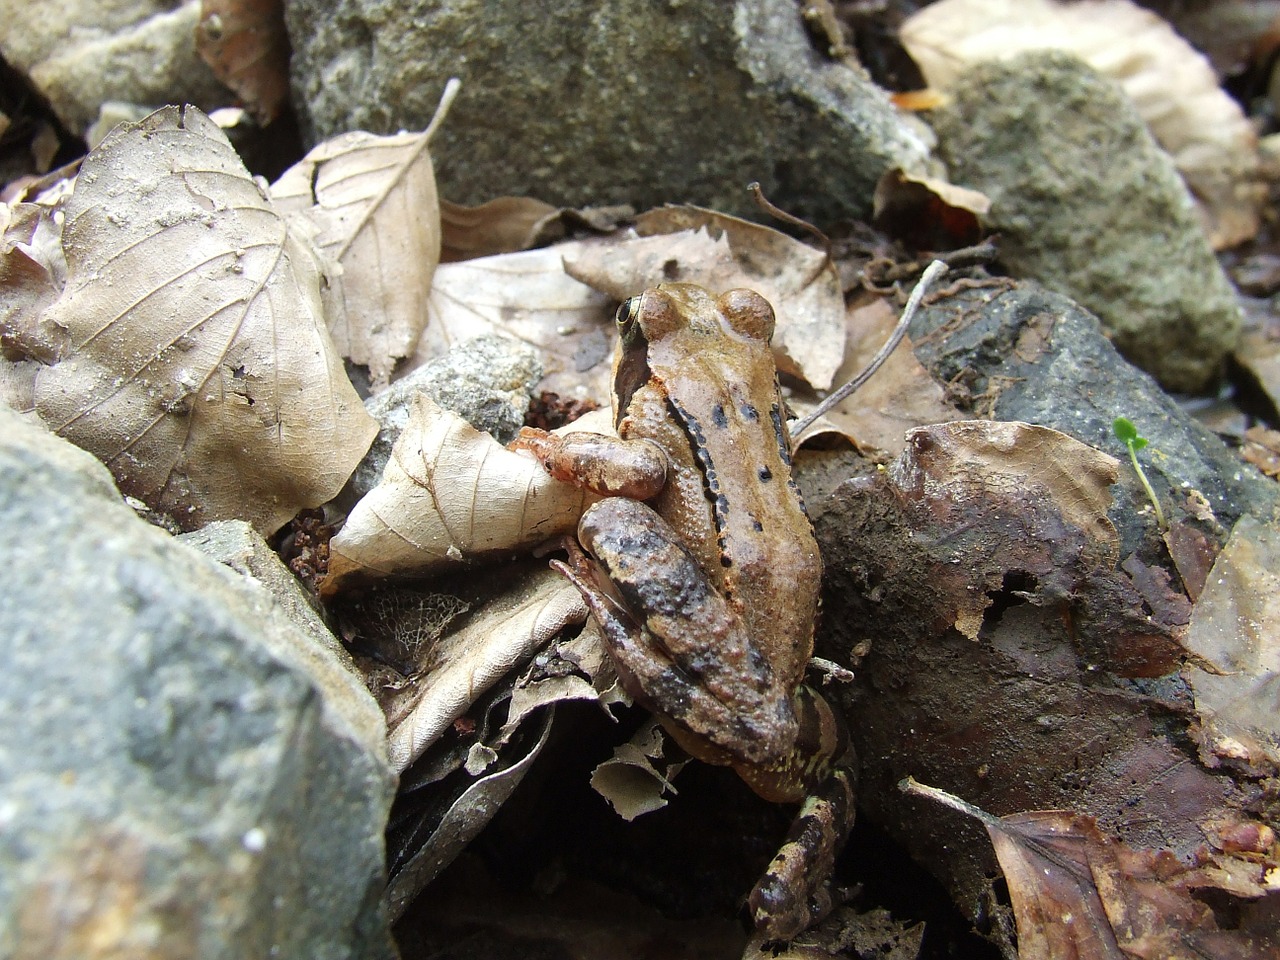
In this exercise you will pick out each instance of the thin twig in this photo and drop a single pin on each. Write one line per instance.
(931, 273)
(451, 88)
(767, 206)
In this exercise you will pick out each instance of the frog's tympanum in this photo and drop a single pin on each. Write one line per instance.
(704, 572)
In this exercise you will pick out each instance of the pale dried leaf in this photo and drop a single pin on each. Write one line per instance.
(635, 779)
(1012, 458)
(245, 43)
(720, 252)
(529, 297)
(900, 396)
(373, 205)
(1259, 354)
(191, 356)
(1171, 84)
(459, 825)
(1235, 636)
(505, 632)
(503, 225)
(450, 493)
(32, 270)
(596, 681)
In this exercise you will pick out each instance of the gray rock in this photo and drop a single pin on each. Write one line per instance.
(486, 381)
(235, 544)
(1089, 205)
(81, 55)
(177, 781)
(591, 103)
(1029, 354)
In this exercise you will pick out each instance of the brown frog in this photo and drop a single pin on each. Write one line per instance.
(704, 572)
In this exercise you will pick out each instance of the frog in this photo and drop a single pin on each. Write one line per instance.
(701, 567)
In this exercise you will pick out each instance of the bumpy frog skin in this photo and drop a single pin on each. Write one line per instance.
(707, 591)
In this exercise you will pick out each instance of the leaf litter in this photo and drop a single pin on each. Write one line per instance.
(187, 349)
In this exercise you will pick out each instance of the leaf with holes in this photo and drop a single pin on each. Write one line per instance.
(188, 350)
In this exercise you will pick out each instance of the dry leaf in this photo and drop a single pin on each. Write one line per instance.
(1235, 636)
(187, 350)
(32, 268)
(1081, 894)
(1078, 893)
(505, 632)
(529, 297)
(373, 205)
(450, 493)
(245, 43)
(928, 213)
(416, 864)
(503, 225)
(1259, 354)
(1171, 84)
(689, 244)
(901, 395)
(638, 775)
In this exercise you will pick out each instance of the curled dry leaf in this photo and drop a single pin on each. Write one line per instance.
(415, 861)
(449, 493)
(1171, 84)
(372, 205)
(187, 350)
(245, 43)
(1235, 636)
(529, 297)
(505, 632)
(503, 225)
(927, 212)
(693, 245)
(635, 779)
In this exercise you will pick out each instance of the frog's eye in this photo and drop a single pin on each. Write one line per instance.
(650, 316)
(628, 310)
(748, 314)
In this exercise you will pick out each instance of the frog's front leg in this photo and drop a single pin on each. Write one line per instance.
(609, 466)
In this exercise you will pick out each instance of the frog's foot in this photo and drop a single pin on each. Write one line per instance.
(795, 891)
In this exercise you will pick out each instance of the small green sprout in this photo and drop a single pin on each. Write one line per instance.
(1127, 434)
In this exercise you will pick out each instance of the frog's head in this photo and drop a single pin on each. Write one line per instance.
(693, 314)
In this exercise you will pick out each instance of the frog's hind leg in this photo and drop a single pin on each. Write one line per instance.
(821, 771)
(795, 891)
(689, 687)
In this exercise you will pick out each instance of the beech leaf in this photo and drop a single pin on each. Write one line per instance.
(451, 493)
(1235, 636)
(719, 252)
(528, 297)
(1078, 893)
(187, 350)
(245, 44)
(502, 634)
(373, 205)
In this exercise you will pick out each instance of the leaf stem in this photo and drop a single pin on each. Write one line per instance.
(1146, 485)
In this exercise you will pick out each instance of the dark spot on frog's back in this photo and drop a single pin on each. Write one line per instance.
(765, 474)
(718, 416)
(749, 412)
